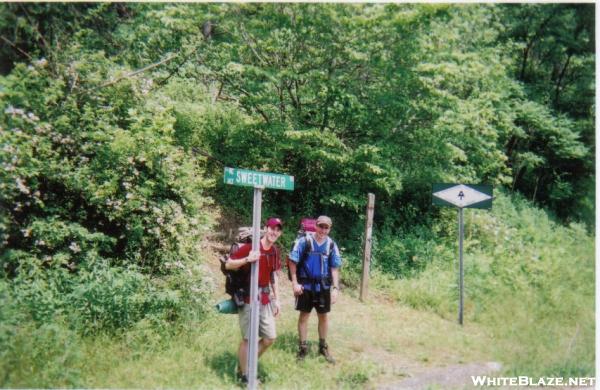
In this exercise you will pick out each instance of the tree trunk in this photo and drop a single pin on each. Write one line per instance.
(537, 182)
(559, 81)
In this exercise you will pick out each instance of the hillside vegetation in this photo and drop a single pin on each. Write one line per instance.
(528, 281)
(116, 121)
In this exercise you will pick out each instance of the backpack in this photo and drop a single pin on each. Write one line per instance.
(236, 281)
(307, 226)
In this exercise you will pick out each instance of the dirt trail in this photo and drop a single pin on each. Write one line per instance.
(450, 377)
(404, 348)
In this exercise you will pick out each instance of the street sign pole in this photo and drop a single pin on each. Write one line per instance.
(260, 181)
(254, 299)
(461, 236)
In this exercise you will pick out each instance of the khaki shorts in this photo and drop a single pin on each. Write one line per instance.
(266, 325)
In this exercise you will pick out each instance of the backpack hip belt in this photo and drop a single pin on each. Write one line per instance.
(265, 290)
(324, 281)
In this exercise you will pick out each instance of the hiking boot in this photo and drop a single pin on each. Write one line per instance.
(242, 378)
(324, 350)
(302, 351)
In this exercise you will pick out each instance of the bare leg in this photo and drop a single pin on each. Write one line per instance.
(243, 357)
(323, 325)
(263, 344)
(303, 325)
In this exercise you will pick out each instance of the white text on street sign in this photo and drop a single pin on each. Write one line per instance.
(244, 177)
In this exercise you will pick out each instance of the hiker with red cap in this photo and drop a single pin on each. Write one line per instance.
(314, 269)
(269, 263)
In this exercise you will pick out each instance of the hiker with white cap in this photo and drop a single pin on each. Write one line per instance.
(314, 268)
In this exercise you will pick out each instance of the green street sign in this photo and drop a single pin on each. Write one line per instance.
(462, 196)
(247, 178)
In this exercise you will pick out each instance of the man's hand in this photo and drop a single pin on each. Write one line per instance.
(276, 307)
(334, 294)
(253, 256)
(298, 289)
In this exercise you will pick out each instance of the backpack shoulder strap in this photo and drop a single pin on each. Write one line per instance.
(329, 247)
(308, 247)
(276, 262)
(309, 240)
(330, 250)
(277, 256)
(234, 248)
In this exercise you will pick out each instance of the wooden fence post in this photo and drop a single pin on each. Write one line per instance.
(364, 284)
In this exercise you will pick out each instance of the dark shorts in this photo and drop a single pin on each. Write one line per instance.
(321, 301)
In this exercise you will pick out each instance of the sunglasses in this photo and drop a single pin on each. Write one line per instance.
(323, 226)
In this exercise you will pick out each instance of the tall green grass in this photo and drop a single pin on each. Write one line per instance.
(528, 280)
(194, 354)
(49, 317)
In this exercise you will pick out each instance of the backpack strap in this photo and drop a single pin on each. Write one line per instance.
(308, 247)
(330, 251)
(277, 261)
(327, 280)
(277, 256)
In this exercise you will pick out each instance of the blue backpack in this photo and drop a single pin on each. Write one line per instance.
(307, 226)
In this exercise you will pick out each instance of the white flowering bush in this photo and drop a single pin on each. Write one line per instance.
(97, 199)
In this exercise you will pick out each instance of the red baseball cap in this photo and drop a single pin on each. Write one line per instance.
(272, 222)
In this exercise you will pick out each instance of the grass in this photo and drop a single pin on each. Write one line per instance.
(529, 283)
(375, 342)
(529, 305)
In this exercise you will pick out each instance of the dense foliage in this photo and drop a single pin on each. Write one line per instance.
(116, 121)
(96, 194)
(527, 279)
(389, 99)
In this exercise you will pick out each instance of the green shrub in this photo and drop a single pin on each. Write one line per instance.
(100, 297)
(102, 209)
(101, 171)
(528, 280)
(405, 253)
(39, 356)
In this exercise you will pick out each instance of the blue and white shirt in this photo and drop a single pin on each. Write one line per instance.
(313, 265)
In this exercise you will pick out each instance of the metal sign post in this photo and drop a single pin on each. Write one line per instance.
(462, 196)
(258, 180)
(461, 237)
(254, 298)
